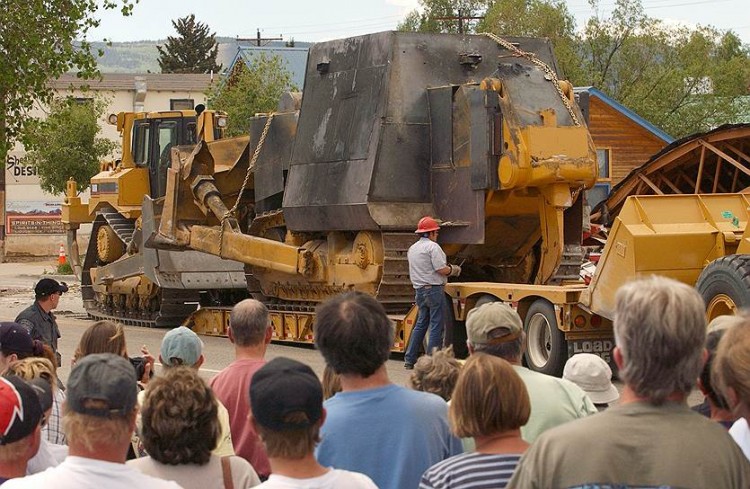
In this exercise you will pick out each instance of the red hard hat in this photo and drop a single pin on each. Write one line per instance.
(427, 225)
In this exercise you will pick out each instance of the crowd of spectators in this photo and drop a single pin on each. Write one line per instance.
(487, 422)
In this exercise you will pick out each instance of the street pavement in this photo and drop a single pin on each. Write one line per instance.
(17, 282)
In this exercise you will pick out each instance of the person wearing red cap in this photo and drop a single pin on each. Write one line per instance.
(100, 411)
(20, 426)
(428, 271)
(38, 317)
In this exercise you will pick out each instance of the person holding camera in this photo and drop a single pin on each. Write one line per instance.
(109, 337)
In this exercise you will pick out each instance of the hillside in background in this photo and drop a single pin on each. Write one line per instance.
(141, 56)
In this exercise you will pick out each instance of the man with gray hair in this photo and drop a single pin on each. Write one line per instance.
(100, 411)
(652, 438)
(250, 332)
(495, 328)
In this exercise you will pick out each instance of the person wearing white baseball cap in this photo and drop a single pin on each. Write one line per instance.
(592, 374)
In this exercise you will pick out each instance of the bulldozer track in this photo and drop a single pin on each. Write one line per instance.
(174, 307)
(122, 226)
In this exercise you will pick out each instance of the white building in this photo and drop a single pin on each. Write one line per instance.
(31, 218)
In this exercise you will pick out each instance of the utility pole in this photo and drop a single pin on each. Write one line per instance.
(460, 18)
(259, 41)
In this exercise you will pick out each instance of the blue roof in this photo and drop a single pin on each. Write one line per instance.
(293, 59)
(626, 112)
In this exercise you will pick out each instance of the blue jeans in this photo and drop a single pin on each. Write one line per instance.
(430, 302)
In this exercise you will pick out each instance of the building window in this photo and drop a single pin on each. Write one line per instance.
(83, 100)
(603, 157)
(181, 104)
(600, 191)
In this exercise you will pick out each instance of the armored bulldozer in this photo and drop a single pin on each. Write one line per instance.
(323, 196)
(121, 278)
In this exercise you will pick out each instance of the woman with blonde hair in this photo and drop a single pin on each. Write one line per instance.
(40, 373)
(490, 404)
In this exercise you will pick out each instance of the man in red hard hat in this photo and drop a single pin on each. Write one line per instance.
(428, 271)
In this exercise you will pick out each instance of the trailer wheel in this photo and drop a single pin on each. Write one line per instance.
(546, 348)
(725, 285)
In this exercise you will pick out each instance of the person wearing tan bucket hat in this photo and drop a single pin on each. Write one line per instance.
(592, 374)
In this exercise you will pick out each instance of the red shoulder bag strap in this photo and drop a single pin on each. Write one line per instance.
(226, 470)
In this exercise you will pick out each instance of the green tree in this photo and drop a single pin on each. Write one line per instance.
(537, 18)
(442, 16)
(532, 18)
(39, 41)
(194, 50)
(682, 79)
(67, 144)
(249, 90)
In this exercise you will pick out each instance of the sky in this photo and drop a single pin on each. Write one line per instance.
(320, 20)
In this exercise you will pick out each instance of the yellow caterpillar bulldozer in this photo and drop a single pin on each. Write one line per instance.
(121, 278)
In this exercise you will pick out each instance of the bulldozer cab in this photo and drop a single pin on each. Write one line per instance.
(153, 139)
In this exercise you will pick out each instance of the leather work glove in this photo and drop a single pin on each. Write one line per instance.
(455, 271)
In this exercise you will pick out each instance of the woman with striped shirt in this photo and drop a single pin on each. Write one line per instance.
(489, 404)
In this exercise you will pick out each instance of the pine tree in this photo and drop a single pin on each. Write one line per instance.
(193, 51)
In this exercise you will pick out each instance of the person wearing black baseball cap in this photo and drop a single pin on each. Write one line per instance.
(16, 344)
(38, 317)
(287, 412)
(20, 426)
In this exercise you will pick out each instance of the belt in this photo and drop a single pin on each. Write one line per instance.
(428, 286)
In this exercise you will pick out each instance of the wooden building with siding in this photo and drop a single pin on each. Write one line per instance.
(623, 139)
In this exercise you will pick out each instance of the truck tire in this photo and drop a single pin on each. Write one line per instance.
(546, 349)
(725, 285)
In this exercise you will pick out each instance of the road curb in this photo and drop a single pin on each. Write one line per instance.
(61, 278)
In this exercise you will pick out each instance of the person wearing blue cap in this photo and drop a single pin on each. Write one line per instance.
(182, 347)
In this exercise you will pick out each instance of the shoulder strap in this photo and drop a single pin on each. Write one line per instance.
(226, 470)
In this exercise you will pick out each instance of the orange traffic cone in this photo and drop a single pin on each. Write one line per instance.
(61, 258)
